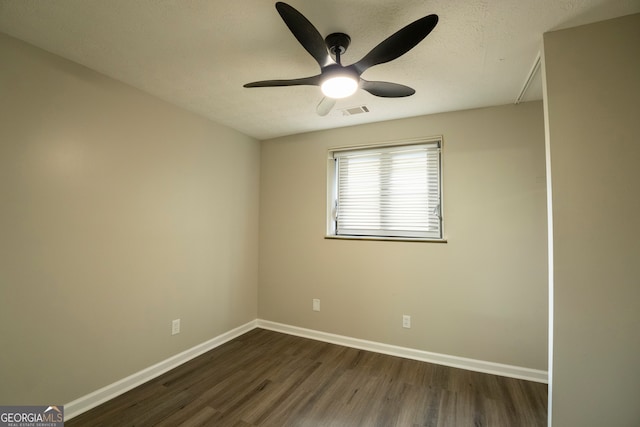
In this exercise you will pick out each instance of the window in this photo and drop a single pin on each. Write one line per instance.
(387, 191)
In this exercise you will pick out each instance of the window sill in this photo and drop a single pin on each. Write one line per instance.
(381, 238)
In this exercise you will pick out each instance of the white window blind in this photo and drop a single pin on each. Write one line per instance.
(391, 191)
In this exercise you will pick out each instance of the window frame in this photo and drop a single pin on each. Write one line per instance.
(332, 189)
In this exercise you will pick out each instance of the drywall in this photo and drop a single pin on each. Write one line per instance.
(593, 129)
(482, 295)
(118, 213)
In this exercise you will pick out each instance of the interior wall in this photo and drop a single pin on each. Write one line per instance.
(593, 88)
(481, 295)
(118, 213)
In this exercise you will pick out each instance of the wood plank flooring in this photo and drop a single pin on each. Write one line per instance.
(265, 378)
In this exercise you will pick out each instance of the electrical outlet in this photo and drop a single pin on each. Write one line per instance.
(316, 305)
(175, 327)
(406, 321)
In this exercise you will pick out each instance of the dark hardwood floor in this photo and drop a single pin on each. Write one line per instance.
(265, 378)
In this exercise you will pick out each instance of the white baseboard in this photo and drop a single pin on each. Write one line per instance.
(409, 353)
(91, 400)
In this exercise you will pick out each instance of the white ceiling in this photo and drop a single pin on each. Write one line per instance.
(197, 54)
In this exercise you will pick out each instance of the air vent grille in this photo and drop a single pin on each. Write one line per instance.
(354, 110)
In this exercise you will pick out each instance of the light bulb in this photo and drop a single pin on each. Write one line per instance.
(339, 87)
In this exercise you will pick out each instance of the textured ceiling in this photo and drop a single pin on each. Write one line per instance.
(197, 54)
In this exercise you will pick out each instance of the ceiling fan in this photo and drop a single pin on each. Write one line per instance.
(339, 81)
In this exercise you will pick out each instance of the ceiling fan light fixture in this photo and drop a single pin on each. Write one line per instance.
(338, 81)
(339, 87)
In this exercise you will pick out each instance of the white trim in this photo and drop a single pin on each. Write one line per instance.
(550, 241)
(363, 146)
(532, 74)
(385, 238)
(91, 400)
(409, 353)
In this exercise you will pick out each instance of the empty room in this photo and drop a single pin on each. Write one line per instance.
(337, 213)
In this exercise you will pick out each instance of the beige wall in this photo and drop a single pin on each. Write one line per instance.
(118, 213)
(482, 295)
(593, 93)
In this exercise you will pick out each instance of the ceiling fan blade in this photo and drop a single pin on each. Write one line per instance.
(306, 33)
(386, 89)
(399, 43)
(325, 105)
(311, 81)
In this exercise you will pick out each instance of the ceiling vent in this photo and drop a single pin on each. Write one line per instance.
(354, 110)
